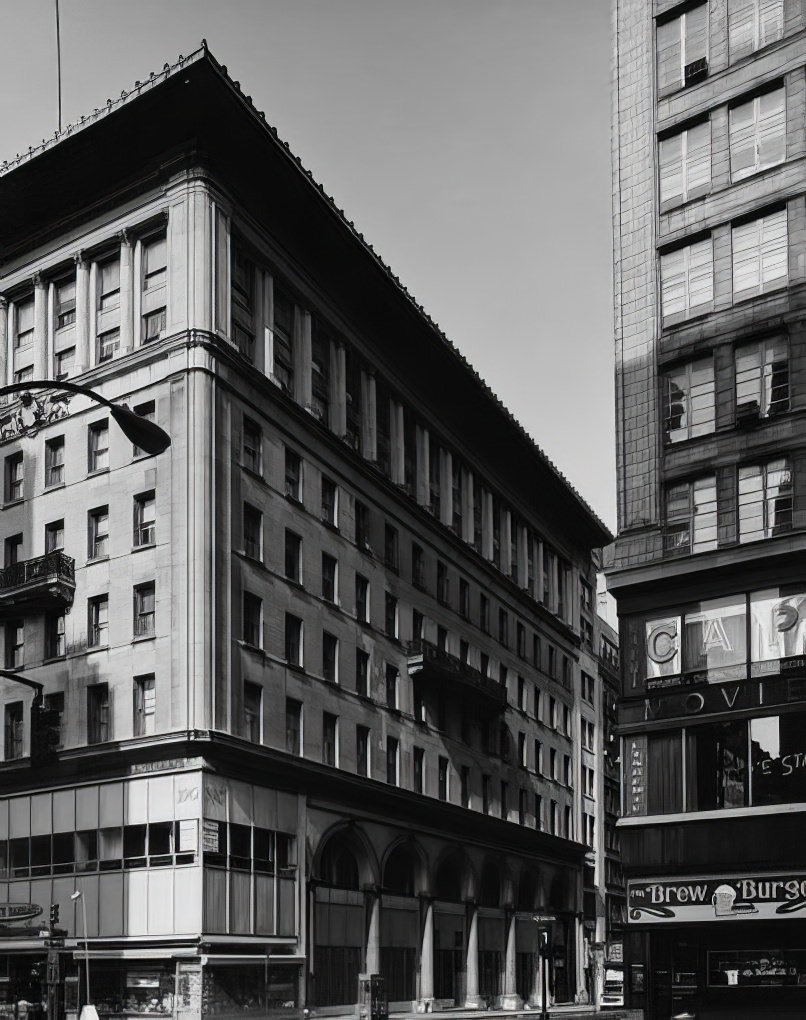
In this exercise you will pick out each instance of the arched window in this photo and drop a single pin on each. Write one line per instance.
(449, 879)
(490, 891)
(339, 865)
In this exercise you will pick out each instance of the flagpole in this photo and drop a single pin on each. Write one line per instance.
(59, 64)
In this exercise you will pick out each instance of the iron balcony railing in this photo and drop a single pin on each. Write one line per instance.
(426, 658)
(48, 580)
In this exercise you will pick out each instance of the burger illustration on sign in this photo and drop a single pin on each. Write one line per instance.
(725, 905)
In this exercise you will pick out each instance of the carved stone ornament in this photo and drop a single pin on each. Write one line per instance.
(31, 414)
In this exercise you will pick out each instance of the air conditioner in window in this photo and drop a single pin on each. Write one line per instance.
(696, 71)
(747, 414)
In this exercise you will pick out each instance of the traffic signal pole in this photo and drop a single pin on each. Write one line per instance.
(54, 940)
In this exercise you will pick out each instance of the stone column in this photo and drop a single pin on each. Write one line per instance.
(3, 340)
(487, 543)
(302, 357)
(446, 487)
(505, 552)
(472, 998)
(82, 359)
(425, 1001)
(40, 326)
(511, 999)
(126, 294)
(372, 901)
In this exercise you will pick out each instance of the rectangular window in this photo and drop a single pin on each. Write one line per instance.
(757, 134)
(252, 532)
(443, 583)
(753, 24)
(390, 547)
(687, 280)
(65, 303)
(390, 615)
(145, 517)
(538, 749)
(145, 705)
(504, 800)
(252, 446)
(54, 704)
(392, 761)
(108, 344)
(98, 729)
(98, 446)
(362, 672)
(362, 526)
(109, 284)
(252, 620)
(98, 621)
(13, 550)
(691, 516)
(293, 726)
(330, 657)
(63, 363)
(419, 770)
(54, 635)
(320, 371)
(760, 255)
(442, 778)
(24, 375)
(253, 712)
(154, 325)
(330, 577)
(14, 478)
(145, 410)
(391, 686)
(522, 760)
(144, 610)
(24, 335)
(283, 340)
(293, 475)
(98, 533)
(330, 502)
(361, 598)
(54, 461)
(362, 750)
(503, 627)
(293, 640)
(417, 566)
(293, 557)
(14, 731)
(683, 49)
(765, 499)
(330, 740)
(685, 163)
(716, 761)
(762, 379)
(484, 613)
(688, 401)
(464, 598)
(485, 794)
(155, 263)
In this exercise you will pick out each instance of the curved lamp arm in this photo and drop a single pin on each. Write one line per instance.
(142, 432)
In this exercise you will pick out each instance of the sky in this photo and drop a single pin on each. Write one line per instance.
(468, 140)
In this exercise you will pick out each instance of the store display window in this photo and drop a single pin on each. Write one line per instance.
(135, 989)
(743, 968)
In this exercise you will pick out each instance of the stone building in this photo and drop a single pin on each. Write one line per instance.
(315, 669)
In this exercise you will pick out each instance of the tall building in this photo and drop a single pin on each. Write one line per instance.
(710, 245)
(316, 668)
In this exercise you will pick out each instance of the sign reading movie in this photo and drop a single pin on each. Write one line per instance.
(722, 898)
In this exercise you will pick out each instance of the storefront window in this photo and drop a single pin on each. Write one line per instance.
(716, 766)
(664, 788)
(133, 989)
(748, 968)
(234, 989)
(778, 758)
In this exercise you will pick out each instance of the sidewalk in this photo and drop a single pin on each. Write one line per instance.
(584, 1012)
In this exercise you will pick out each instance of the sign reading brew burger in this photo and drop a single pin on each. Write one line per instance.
(761, 897)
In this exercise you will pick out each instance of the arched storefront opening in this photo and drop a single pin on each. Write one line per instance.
(400, 925)
(491, 932)
(526, 934)
(450, 936)
(339, 923)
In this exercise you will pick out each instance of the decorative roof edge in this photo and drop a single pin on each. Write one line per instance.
(168, 70)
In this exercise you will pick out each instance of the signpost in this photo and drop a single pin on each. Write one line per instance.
(544, 923)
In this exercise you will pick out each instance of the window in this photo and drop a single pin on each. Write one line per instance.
(361, 598)
(54, 703)
(685, 163)
(362, 526)
(64, 362)
(417, 621)
(330, 575)
(253, 712)
(520, 640)
(13, 550)
(687, 280)
(144, 606)
(145, 705)
(522, 760)
(485, 794)
(98, 446)
(65, 303)
(419, 769)
(54, 461)
(23, 375)
(98, 533)
(567, 769)
(54, 635)
(765, 499)
(98, 621)
(283, 340)
(464, 598)
(14, 477)
(321, 343)
(537, 652)
(588, 688)
(691, 516)
(762, 379)
(252, 532)
(553, 818)
(538, 749)
(683, 49)
(362, 750)
(538, 811)
(760, 255)
(390, 546)
(145, 515)
(109, 284)
(392, 761)
(252, 620)
(330, 739)
(293, 640)
(688, 401)
(753, 24)
(362, 672)
(567, 822)
(154, 324)
(588, 735)
(293, 726)
(293, 557)
(330, 657)
(98, 730)
(293, 475)
(24, 335)
(391, 686)
(155, 263)
(443, 584)
(252, 446)
(504, 800)
(757, 134)
(417, 566)
(15, 644)
(553, 764)
(484, 613)
(588, 777)
(442, 778)
(145, 410)
(390, 615)
(14, 731)
(330, 502)
(503, 627)
(108, 344)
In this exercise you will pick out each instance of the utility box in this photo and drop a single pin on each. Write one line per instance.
(372, 1002)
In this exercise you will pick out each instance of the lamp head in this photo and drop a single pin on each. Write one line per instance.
(142, 432)
(75, 895)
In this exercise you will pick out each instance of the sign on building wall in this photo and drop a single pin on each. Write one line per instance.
(734, 897)
(635, 775)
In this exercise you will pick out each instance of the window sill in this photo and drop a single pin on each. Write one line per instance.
(54, 658)
(13, 502)
(96, 648)
(295, 500)
(330, 525)
(98, 471)
(53, 485)
(143, 637)
(145, 545)
(97, 559)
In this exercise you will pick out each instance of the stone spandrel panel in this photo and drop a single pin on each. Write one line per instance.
(635, 273)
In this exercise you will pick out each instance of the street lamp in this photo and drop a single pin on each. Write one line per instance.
(78, 895)
(142, 432)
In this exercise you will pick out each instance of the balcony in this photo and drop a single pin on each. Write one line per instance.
(428, 663)
(43, 583)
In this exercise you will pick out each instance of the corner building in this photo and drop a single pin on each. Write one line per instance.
(709, 181)
(317, 666)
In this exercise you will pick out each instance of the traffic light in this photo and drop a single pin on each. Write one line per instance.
(54, 914)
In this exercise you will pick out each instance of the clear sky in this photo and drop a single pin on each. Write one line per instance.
(468, 140)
